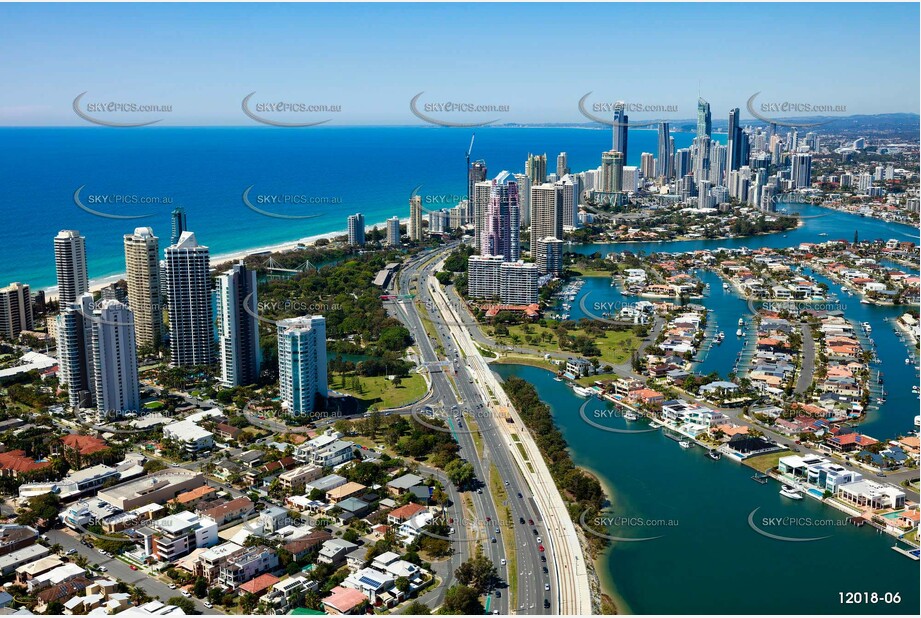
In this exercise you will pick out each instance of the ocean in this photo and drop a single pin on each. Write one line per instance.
(338, 170)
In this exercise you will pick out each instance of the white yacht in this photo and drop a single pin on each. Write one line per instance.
(788, 491)
(739, 333)
(684, 444)
(631, 416)
(581, 391)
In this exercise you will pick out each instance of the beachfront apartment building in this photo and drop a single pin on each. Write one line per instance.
(70, 264)
(188, 288)
(302, 378)
(142, 273)
(15, 310)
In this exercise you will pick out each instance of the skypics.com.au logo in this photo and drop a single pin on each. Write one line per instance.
(598, 415)
(770, 112)
(288, 114)
(107, 205)
(272, 204)
(105, 112)
(609, 113)
(792, 529)
(450, 113)
(625, 528)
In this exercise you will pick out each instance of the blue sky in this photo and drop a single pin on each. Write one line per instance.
(371, 59)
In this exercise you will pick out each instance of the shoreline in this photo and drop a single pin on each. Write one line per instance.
(95, 285)
(603, 577)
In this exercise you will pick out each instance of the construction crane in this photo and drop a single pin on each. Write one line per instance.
(469, 150)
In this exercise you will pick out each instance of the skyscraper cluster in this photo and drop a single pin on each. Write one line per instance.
(98, 341)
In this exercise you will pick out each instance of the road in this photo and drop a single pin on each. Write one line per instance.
(804, 380)
(69, 539)
(569, 585)
(474, 396)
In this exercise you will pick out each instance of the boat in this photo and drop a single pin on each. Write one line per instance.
(557, 379)
(864, 301)
(741, 322)
(581, 391)
(907, 361)
(739, 332)
(631, 416)
(714, 454)
(788, 491)
(684, 444)
(823, 234)
(758, 477)
(725, 286)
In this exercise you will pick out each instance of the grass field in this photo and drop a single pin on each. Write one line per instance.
(763, 463)
(379, 393)
(615, 346)
(497, 489)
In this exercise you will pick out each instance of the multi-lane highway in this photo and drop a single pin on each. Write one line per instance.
(541, 586)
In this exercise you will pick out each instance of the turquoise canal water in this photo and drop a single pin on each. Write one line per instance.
(886, 420)
(708, 559)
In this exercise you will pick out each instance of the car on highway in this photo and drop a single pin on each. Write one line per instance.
(530, 522)
(70, 552)
(545, 569)
(172, 586)
(133, 568)
(208, 605)
(497, 529)
(519, 495)
(540, 540)
(540, 548)
(185, 593)
(547, 587)
(546, 603)
(534, 530)
(494, 540)
(502, 561)
(521, 520)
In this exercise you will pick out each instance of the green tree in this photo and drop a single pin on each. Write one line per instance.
(461, 599)
(182, 603)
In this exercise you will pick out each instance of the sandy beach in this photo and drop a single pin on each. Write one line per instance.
(51, 293)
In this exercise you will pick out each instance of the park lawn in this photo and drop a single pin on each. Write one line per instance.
(615, 346)
(590, 272)
(380, 393)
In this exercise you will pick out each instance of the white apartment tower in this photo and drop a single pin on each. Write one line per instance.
(393, 232)
(415, 219)
(302, 363)
(115, 366)
(356, 225)
(70, 263)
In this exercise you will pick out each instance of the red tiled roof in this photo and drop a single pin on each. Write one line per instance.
(260, 583)
(17, 461)
(85, 445)
(406, 511)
